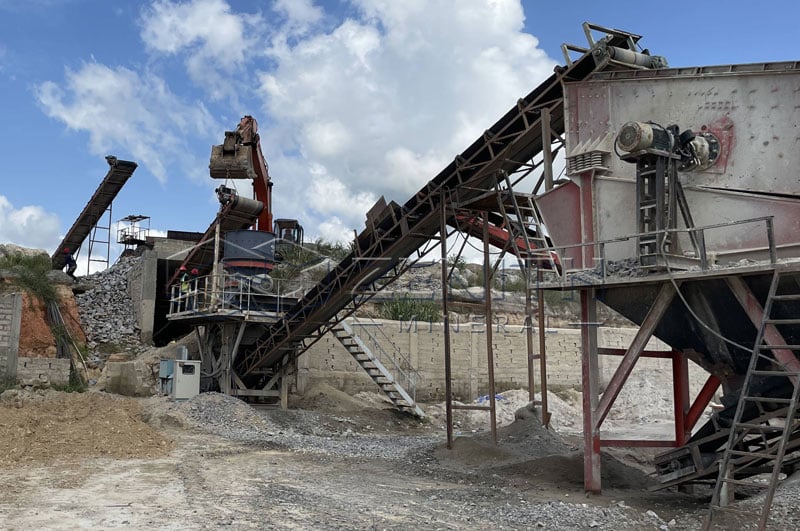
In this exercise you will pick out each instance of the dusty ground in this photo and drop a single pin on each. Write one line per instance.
(332, 462)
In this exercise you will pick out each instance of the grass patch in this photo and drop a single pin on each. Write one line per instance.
(31, 275)
(73, 386)
(408, 309)
(7, 383)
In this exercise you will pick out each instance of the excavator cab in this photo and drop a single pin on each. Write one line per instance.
(289, 231)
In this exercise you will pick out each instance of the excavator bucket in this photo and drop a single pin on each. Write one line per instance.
(231, 160)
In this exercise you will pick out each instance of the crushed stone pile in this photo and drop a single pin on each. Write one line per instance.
(297, 430)
(106, 309)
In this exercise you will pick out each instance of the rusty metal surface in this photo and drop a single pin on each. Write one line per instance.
(752, 109)
(505, 147)
(118, 174)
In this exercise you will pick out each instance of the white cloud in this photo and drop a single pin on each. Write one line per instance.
(28, 226)
(383, 101)
(127, 110)
(300, 14)
(208, 33)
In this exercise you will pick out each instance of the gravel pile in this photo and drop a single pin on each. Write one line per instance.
(106, 309)
(327, 435)
(296, 430)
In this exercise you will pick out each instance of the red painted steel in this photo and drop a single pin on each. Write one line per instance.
(680, 397)
(589, 370)
(701, 401)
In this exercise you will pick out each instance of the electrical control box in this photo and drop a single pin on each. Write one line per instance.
(185, 379)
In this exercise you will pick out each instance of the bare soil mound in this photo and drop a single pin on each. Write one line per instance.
(568, 469)
(325, 398)
(52, 426)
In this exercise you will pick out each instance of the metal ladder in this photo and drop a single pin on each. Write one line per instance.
(527, 232)
(375, 369)
(754, 443)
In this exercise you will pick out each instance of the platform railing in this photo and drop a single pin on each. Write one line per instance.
(697, 234)
(235, 292)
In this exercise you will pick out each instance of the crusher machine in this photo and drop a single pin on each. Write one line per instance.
(682, 213)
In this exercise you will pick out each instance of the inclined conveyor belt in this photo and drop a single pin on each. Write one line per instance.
(118, 174)
(399, 231)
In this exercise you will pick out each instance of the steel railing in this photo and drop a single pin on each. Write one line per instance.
(404, 371)
(236, 292)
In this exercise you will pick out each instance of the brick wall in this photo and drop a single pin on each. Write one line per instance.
(10, 315)
(423, 343)
(53, 370)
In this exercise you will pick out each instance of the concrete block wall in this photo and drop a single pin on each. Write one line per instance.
(423, 344)
(53, 370)
(10, 316)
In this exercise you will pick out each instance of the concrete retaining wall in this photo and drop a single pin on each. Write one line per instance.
(423, 343)
(39, 371)
(10, 316)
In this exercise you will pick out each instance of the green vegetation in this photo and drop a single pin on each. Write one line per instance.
(75, 385)
(296, 258)
(7, 383)
(408, 309)
(458, 262)
(31, 274)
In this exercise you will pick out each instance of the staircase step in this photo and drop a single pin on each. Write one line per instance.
(787, 297)
(761, 372)
(745, 483)
(767, 400)
(760, 455)
(760, 427)
(783, 321)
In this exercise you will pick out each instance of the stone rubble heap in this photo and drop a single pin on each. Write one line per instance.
(106, 308)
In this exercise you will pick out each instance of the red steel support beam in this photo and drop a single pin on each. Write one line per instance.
(701, 401)
(644, 334)
(663, 354)
(680, 397)
(755, 312)
(590, 377)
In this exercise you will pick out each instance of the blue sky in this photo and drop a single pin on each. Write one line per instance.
(355, 99)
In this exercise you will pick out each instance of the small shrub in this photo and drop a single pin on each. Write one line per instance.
(73, 386)
(6, 383)
(31, 274)
(457, 262)
(407, 309)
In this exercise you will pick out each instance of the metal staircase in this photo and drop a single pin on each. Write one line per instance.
(372, 365)
(765, 432)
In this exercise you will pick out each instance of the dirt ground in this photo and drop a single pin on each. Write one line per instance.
(74, 461)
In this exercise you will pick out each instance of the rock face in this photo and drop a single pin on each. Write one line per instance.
(36, 338)
(11, 249)
(106, 310)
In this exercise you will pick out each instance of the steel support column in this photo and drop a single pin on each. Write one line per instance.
(680, 396)
(529, 334)
(542, 353)
(448, 372)
(591, 388)
(487, 294)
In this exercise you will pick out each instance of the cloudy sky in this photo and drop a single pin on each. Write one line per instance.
(355, 98)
